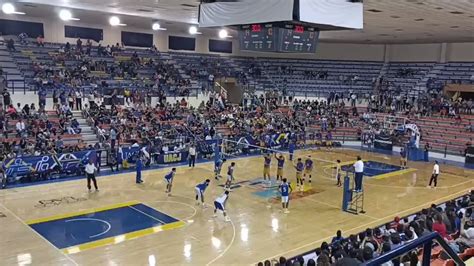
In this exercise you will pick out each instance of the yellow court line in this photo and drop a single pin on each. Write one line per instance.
(124, 237)
(399, 172)
(72, 214)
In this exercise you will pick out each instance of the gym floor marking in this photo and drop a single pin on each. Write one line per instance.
(79, 231)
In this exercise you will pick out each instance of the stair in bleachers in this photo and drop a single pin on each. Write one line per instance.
(88, 135)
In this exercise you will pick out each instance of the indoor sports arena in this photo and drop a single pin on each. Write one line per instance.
(237, 132)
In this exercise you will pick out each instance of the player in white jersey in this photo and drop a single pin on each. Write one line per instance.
(219, 204)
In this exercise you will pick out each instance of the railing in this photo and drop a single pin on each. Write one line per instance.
(10, 84)
(426, 241)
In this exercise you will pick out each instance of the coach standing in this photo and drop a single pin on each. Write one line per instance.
(434, 175)
(90, 174)
(359, 174)
(192, 155)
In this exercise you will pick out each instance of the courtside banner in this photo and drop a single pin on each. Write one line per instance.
(173, 157)
(470, 155)
(48, 166)
(383, 142)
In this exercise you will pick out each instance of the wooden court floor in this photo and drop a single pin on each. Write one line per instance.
(258, 229)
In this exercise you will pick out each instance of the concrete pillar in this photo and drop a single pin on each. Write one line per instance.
(443, 53)
(386, 54)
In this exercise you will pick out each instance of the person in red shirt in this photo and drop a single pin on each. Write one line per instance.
(439, 226)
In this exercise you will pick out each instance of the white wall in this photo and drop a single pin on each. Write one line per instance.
(415, 52)
(460, 52)
(54, 32)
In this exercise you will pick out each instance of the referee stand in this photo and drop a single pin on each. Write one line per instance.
(352, 200)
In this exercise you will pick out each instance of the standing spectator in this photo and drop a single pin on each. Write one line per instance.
(3, 178)
(192, 155)
(40, 41)
(359, 174)
(78, 99)
(91, 100)
(20, 128)
(55, 98)
(90, 174)
(113, 137)
(88, 47)
(11, 45)
(79, 45)
(71, 100)
(42, 98)
(139, 166)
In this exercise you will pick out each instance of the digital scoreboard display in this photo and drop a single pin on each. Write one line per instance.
(258, 37)
(278, 37)
(297, 39)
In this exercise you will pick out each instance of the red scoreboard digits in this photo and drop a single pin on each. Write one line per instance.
(256, 28)
(299, 29)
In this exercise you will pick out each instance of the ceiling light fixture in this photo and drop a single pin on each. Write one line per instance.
(9, 8)
(156, 26)
(115, 21)
(66, 15)
(193, 30)
(223, 34)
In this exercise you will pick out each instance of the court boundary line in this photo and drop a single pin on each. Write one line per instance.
(437, 201)
(154, 218)
(182, 203)
(38, 234)
(84, 212)
(227, 248)
(123, 237)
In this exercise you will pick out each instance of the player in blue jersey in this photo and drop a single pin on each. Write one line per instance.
(230, 175)
(219, 204)
(218, 167)
(285, 190)
(281, 163)
(200, 188)
(308, 169)
(267, 160)
(299, 166)
(169, 181)
(291, 149)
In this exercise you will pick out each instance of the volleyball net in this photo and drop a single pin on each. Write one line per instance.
(253, 168)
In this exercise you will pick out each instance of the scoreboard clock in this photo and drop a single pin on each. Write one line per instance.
(278, 37)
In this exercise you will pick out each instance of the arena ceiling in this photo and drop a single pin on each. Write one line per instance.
(385, 21)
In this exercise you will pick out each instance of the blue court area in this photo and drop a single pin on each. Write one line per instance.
(103, 226)
(372, 168)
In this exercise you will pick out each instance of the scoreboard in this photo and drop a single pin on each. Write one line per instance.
(258, 37)
(298, 39)
(277, 37)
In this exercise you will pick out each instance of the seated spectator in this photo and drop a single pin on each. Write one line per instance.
(20, 128)
(439, 226)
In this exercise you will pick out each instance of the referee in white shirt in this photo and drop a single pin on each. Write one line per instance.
(359, 174)
(434, 175)
(90, 174)
(192, 155)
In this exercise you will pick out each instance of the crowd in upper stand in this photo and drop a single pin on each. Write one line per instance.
(66, 80)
